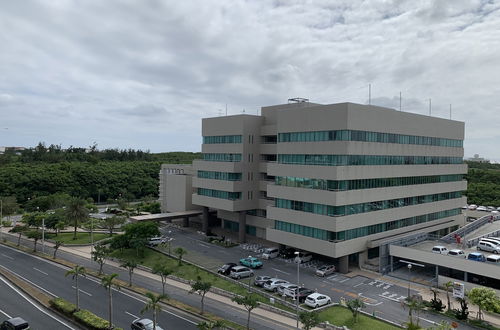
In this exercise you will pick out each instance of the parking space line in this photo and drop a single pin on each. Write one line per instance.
(358, 285)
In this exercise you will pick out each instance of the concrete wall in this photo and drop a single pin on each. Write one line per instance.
(468, 286)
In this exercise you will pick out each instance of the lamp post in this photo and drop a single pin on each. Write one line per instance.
(297, 260)
(91, 236)
(409, 266)
(1, 217)
(249, 277)
(409, 279)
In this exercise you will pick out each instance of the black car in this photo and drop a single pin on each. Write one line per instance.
(287, 253)
(303, 293)
(15, 323)
(226, 268)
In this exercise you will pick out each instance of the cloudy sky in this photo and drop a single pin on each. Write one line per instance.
(141, 74)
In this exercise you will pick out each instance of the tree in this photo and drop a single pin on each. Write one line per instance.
(153, 304)
(180, 252)
(9, 206)
(99, 255)
(35, 235)
(309, 320)
(414, 306)
(112, 222)
(108, 283)
(142, 229)
(484, 299)
(447, 286)
(19, 230)
(130, 265)
(55, 220)
(249, 302)
(139, 244)
(56, 247)
(436, 303)
(463, 312)
(163, 270)
(76, 212)
(355, 306)
(75, 273)
(201, 287)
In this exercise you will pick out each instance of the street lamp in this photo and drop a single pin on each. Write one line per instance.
(1, 217)
(409, 266)
(91, 236)
(249, 277)
(409, 279)
(297, 260)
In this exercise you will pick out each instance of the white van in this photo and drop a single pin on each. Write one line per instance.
(486, 245)
(493, 258)
(440, 249)
(270, 253)
(155, 241)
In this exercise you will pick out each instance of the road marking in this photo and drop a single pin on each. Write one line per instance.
(35, 305)
(431, 322)
(203, 245)
(347, 279)
(41, 271)
(6, 256)
(367, 300)
(8, 316)
(358, 285)
(278, 270)
(134, 316)
(30, 282)
(88, 294)
(386, 297)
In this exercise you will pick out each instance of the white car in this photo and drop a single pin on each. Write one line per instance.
(316, 300)
(273, 284)
(325, 270)
(472, 207)
(155, 241)
(482, 208)
(270, 253)
(440, 249)
(303, 257)
(286, 286)
(457, 253)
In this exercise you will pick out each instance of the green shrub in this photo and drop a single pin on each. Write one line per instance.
(6, 223)
(63, 306)
(90, 320)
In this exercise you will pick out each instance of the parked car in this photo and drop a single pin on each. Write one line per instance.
(251, 262)
(15, 323)
(472, 207)
(155, 241)
(456, 253)
(476, 256)
(226, 268)
(493, 258)
(325, 270)
(440, 249)
(494, 240)
(304, 257)
(303, 293)
(240, 271)
(482, 208)
(273, 284)
(316, 300)
(283, 287)
(260, 280)
(287, 253)
(489, 246)
(270, 253)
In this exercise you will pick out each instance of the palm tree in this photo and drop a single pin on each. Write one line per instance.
(130, 265)
(76, 212)
(75, 272)
(163, 270)
(180, 252)
(153, 305)
(448, 285)
(108, 282)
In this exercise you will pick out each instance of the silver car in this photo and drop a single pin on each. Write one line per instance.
(325, 270)
(273, 284)
(240, 272)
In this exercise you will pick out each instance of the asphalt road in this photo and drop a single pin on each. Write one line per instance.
(51, 278)
(382, 298)
(15, 303)
(229, 312)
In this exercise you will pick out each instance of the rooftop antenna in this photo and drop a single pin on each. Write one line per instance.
(450, 111)
(399, 101)
(369, 94)
(430, 107)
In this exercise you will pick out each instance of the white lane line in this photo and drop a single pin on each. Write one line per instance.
(30, 282)
(35, 305)
(278, 270)
(8, 257)
(8, 316)
(134, 316)
(41, 271)
(358, 285)
(426, 320)
(88, 294)
(203, 245)
(347, 279)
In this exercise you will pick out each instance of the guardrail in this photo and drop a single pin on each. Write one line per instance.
(470, 227)
(473, 241)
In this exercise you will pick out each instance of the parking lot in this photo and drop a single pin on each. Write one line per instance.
(381, 296)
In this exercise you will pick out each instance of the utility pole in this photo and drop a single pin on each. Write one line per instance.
(430, 107)
(1, 217)
(450, 111)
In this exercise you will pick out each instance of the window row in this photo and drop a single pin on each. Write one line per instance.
(222, 157)
(364, 136)
(222, 139)
(341, 210)
(219, 175)
(235, 227)
(258, 213)
(336, 185)
(219, 194)
(362, 231)
(350, 160)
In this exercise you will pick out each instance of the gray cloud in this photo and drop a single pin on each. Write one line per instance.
(77, 72)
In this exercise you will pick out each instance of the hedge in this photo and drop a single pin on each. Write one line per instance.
(63, 306)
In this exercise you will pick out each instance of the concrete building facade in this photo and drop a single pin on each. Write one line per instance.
(331, 179)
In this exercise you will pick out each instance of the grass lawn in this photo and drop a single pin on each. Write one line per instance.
(81, 238)
(342, 316)
(186, 271)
